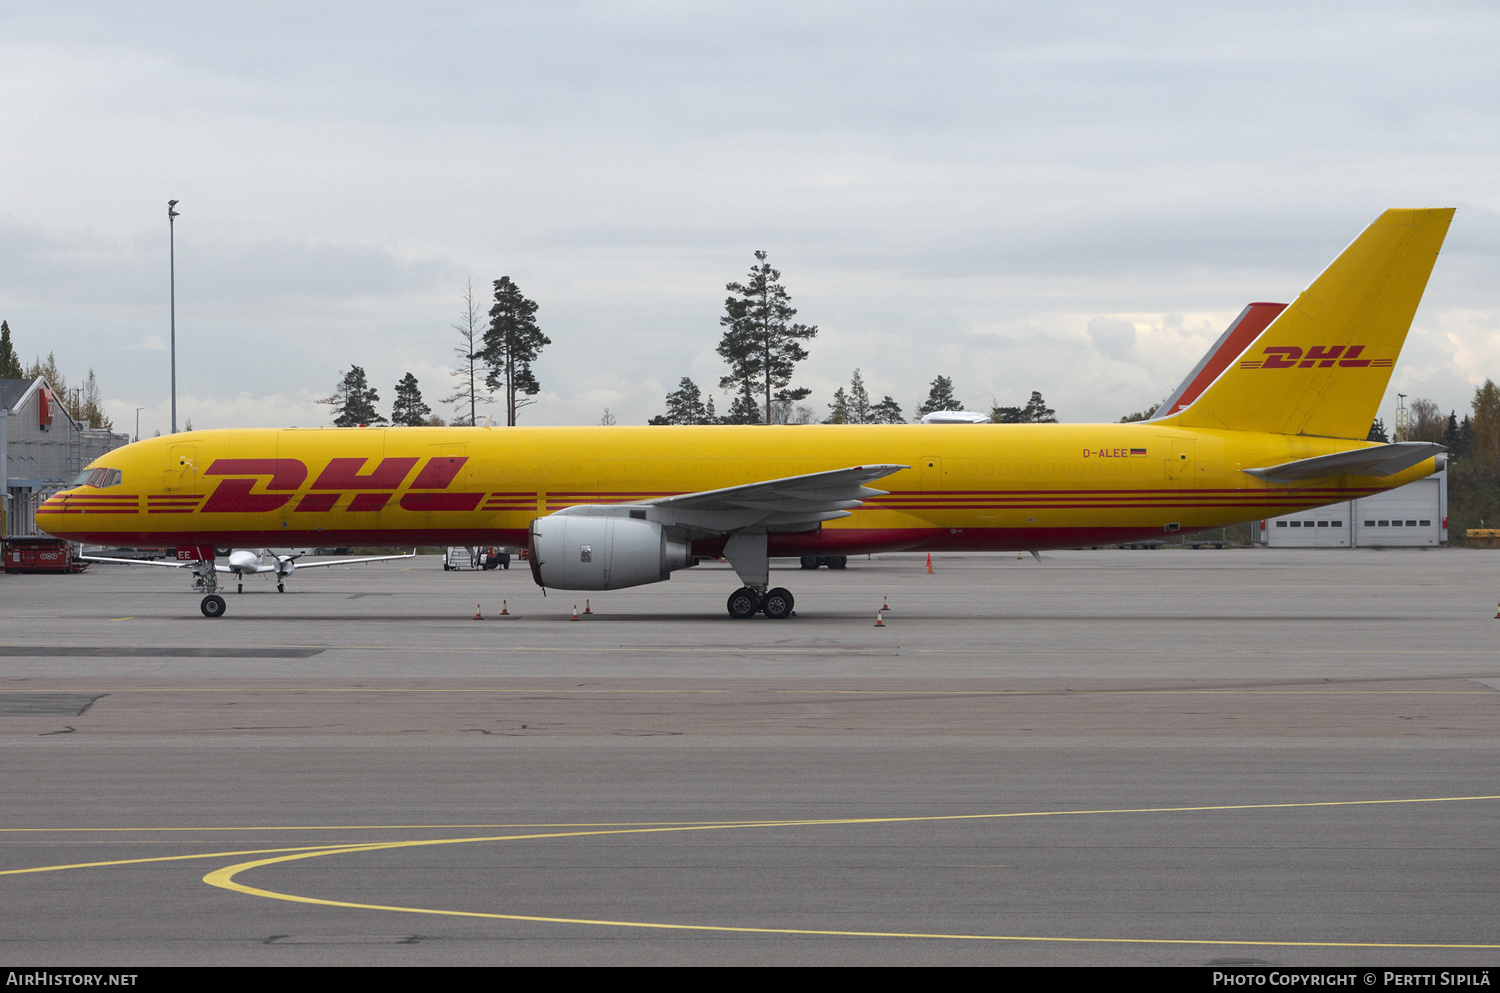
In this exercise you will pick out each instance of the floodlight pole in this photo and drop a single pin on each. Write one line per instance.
(172, 267)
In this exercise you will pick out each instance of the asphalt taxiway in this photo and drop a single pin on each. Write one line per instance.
(1169, 757)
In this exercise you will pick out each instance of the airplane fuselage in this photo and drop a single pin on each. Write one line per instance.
(969, 487)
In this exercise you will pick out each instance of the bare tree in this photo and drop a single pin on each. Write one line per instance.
(472, 390)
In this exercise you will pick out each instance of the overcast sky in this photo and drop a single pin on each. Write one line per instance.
(1074, 198)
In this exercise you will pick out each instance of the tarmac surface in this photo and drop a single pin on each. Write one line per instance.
(1108, 757)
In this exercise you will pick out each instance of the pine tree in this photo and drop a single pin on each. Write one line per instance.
(354, 401)
(89, 407)
(742, 411)
(10, 362)
(1377, 431)
(1457, 438)
(51, 373)
(1035, 411)
(940, 397)
(760, 344)
(1140, 415)
(887, 411)
(838, 411)
(686, 405)
(859, 400)
(409, 410)
(511, 344)
(853, 406)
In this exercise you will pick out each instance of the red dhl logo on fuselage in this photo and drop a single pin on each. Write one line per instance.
(236, 496)
(1320, 356)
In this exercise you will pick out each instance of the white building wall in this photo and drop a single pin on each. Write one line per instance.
(40, 460)
(1414, 515)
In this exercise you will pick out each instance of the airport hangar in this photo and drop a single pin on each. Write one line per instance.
(42, 449)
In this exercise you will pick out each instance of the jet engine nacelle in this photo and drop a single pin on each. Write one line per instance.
(578, 552)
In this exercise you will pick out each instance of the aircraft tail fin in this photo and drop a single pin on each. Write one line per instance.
(1323, 364)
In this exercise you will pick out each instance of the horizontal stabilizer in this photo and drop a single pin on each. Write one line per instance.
(1383, 460)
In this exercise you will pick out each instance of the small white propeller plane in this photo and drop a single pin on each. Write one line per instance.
(254, 562)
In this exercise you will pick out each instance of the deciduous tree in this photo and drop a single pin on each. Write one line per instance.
(1427, 422)
(1486, 444)
(471, 389)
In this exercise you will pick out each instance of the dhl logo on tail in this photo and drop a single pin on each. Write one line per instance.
(1319, 356)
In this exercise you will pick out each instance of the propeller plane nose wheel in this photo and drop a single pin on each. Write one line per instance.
(777, 603)
(281, 587)
(212, 606)
(744, 603)
(241, 588)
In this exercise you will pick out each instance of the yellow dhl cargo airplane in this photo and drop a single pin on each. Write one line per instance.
(1279, 430)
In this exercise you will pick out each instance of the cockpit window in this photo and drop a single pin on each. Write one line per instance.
(98, 478)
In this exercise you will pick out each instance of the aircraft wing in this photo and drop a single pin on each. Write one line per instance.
(1385, 460)
(373, 558)
(102, 558)
(792, 503)
(827, 490)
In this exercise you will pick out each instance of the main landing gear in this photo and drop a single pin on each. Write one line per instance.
(776, 603)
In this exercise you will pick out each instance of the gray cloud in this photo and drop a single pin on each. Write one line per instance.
(954, 188)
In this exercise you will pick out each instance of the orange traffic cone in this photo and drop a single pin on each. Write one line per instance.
(879, 621)
(575, 611)
(885, 604)
(929, 563)
(504, 610)
(476, 613)
(586, 608)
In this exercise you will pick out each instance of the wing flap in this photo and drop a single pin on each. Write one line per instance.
(792, 503)
(815, 490)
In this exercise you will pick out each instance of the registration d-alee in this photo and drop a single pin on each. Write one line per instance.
(1263, 428)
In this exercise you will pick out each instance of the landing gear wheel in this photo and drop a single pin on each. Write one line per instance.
(837, 561)
(778, 603)
(212, 606)
(744, 603)
(241, 588)
(811, 561)
(281, 587)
